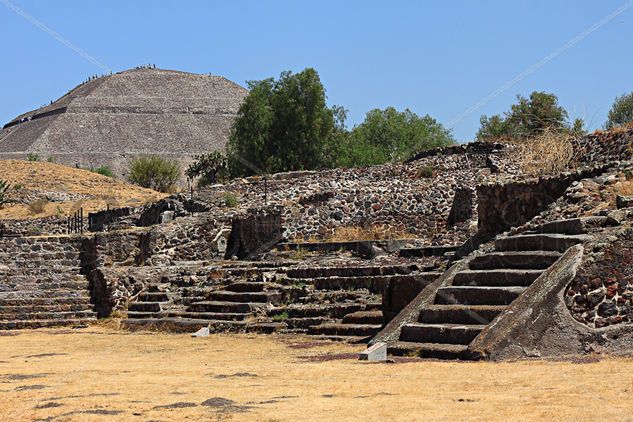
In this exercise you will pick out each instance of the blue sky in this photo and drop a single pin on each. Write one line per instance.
(434, 57)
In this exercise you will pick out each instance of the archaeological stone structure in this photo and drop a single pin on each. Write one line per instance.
(478, 259)
(108, 120)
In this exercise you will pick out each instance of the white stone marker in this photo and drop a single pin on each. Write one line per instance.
(203, 332)
(376, 353)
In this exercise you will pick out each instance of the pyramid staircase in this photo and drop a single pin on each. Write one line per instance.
(463, 306)
(41, 284)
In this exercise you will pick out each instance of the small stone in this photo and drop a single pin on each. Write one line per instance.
(203, 332)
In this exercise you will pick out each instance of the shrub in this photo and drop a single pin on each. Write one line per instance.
(104, 171)
(38, 206)
(32, 157)
(230, 200)
(425, 172)
(4, 187)
(50, 159)
(211, 168)
(155, 173)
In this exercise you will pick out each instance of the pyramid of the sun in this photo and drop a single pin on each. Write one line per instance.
(111, 119)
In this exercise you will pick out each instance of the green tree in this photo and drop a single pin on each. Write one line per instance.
(390, 135)
(283, 125)
(621, 112)
(527, 118)
(154, 172)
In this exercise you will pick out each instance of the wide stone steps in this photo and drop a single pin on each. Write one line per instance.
(44, 287)
(364, 317)
(340, 329)
(440, 333)
(429, 350)
(190, 315)
(25, 298)
(245, 297)
(477, 295)
(28, 323)
(496, 278)
(531, 260)
(245, 287)
(224, 307)
(539, 242)
(21, 314)
(186, 325)
(145, 306)
(338, 310)
(460, 314)
(351, 271)
(374, 284)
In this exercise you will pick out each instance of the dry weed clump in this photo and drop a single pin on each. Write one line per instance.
(38, 206)
(375, 232)
(546, 154)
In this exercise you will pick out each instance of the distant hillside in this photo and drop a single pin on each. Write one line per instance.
(61, 190)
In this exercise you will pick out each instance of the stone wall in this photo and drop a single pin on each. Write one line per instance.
(255, 232)
(601, 294)
(502, 206)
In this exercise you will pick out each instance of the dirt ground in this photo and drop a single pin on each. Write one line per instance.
(37, 179)
(99, 374)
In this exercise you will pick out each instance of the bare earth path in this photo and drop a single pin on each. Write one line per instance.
(105, 375)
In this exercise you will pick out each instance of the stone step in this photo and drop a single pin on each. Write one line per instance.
(305, 323)
(352, 271)
(364, 317)
(338, 310)
(245, 297)
(186, 325)
(337, 296)
(245, 287)
(45, 287)
(218, 316)
(460, 314)
(42, 323)
(443, 351)
(31, 301)
(572, 226)
(496, 277)
(479, 295)
(374, 284)
(440, 333)
(188, 315)
(145, 306)
(46, 308)
(539, 242)
(26, 315)
(532, 260)
(339, 329)
(223, 307)
(153, 297)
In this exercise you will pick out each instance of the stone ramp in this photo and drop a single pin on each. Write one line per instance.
(41, 284)
(450, 314)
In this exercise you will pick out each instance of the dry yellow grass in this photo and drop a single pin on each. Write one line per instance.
(546, 154)
(375, 232)
(51, 177)
(98, 374)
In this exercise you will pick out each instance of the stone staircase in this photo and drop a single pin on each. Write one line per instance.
(344, 303)
(340, 303)
(41, 284)
(464, 305)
